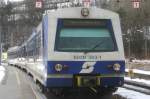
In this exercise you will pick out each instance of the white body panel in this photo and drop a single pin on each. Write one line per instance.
(95, 13)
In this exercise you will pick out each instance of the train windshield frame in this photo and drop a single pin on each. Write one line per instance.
(85, 35)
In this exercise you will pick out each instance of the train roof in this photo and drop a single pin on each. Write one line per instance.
(75, 11)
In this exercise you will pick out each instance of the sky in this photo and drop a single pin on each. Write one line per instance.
(13, 0)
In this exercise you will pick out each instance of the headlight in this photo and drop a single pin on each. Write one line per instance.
(116, 67)
(85, 12)
(58, 67)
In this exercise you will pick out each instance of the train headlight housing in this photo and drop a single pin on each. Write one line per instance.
(85, 12)
(58, 67)
(117, 67)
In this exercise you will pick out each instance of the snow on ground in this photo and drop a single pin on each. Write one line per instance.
(141, 61)
(147, 82)
(129, 94)
(139, 71)
(144, 81)
(2, 73)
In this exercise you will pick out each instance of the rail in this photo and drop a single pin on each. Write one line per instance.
(138, 87)
(134, 73)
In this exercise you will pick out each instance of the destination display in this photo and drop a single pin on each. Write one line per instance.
(84, 23)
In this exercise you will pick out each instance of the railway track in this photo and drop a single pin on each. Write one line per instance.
(130, 85)
(138, 87)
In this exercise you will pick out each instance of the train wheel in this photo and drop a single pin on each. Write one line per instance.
(41, 88)
(114, 89)
(106, 91)
(58, 91)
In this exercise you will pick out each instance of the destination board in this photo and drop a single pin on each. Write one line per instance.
(84, 23)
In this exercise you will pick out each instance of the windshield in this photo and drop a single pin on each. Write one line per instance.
(85, 38)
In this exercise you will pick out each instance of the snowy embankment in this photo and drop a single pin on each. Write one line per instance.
(129, 94)
(141, 61)
(137, 71)
(139, 80)
(2, 73)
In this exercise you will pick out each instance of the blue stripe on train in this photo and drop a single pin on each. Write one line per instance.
(59, 82)
(74, 67)
(68, 82)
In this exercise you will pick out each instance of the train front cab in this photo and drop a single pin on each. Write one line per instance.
(85, 52)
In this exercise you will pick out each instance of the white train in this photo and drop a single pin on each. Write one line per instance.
(74, 48)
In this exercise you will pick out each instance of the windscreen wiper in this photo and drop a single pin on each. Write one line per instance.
(95, 46)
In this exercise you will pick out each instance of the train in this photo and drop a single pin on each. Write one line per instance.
(74, 48)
